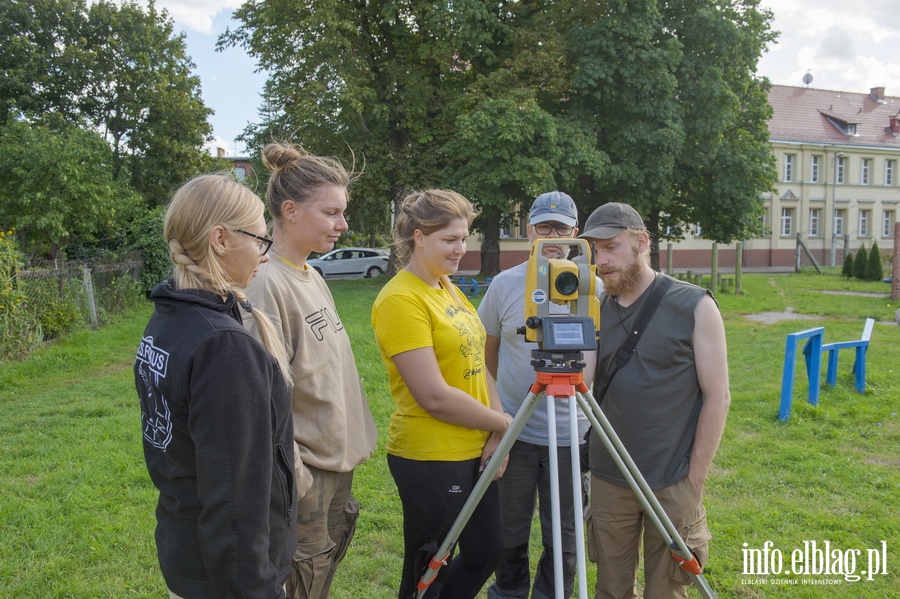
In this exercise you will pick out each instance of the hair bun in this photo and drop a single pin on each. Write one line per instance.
(278, 157)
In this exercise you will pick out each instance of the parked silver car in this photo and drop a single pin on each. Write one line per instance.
(351, 262)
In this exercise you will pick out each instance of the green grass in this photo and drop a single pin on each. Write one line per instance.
(76, 504)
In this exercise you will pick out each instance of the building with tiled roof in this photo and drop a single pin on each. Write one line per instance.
(838, 186)
(241, 166)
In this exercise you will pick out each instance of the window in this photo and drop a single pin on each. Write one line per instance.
(697, 230)
(863, 222)
(788, 167)
(865, 165)
(814, 163)
(815, 217)
(240, 173)
(839, 216)
(839, 170)
(889, 172)
(787, 222)
(887, 223)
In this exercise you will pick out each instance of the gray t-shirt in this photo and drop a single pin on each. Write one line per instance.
(502, 311)
(654, 401)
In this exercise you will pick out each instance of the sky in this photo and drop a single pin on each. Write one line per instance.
(843, 46)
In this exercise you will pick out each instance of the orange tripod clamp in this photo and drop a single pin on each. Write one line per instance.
(559, 384)
(688, 565)
(433, 566)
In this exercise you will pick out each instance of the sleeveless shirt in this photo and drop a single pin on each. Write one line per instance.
(654, 401)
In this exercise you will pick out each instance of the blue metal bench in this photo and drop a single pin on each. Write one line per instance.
(470, 285)
(859, 367)
(812, 352)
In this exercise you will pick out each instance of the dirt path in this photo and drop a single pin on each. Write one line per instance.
(788, 314)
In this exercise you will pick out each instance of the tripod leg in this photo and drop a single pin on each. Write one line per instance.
(556, 526)
(556, 511)
(645, 496)
(485, 479)
(576, 497)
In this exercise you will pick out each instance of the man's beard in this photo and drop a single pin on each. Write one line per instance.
(628, 277)
(560, 252)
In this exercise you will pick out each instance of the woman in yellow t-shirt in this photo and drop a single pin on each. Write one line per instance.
(448, 419)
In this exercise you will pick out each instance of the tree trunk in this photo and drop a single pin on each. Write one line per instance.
(652, 224)
(490, 246)
(397, 194)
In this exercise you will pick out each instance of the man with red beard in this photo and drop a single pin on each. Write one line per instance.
(668, 404)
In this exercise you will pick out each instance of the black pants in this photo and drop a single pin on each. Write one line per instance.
(433, 494)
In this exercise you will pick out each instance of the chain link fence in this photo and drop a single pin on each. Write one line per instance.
(66, 295)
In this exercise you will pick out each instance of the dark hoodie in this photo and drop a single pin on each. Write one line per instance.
(218, 442)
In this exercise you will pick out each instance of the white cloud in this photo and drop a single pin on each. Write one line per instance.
(197, 14)
(216, 143)
(845, 46)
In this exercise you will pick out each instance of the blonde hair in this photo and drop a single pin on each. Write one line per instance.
(297, 175)
(428, 211)
(196, 207)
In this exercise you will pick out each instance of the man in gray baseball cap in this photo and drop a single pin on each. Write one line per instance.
(553, 206)
(668, 404)
(527, 476)
(611, 219)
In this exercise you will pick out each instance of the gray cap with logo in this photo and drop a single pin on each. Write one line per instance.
(554, 206)
(611, 219)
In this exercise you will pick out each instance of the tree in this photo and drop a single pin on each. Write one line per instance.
(115, 68)
(861, 263)
(874, 269)
(637, 123)
(651, 103)
(847, 268)
(38, 65)
(431, 94)
(726, 164)
(145, 98)
(373, 78)
(57, 187)
(514, 149)
(678, 109)
(514, 138)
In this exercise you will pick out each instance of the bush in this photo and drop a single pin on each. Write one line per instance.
(146, 236)
(874, 270)
(20, 331)
(58, 318)
(860, 263)
(847, 270)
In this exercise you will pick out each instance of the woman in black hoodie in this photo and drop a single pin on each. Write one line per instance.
(216, 405)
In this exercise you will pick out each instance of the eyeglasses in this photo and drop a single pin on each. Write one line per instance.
(264, 242)
(547, 228)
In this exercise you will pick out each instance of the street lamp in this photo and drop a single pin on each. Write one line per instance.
(837, 156)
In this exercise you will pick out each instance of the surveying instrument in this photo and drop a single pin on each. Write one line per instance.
(562, 336)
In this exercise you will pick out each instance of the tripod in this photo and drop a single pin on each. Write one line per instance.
(560, 375)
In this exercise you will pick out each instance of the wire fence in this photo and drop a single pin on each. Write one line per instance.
(42, 300)
(78, 293)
